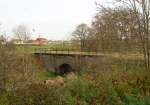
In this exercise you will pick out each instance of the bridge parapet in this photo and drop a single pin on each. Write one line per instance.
(53, 58)
(71, 52)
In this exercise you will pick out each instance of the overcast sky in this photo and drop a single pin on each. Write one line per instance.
(53, 19)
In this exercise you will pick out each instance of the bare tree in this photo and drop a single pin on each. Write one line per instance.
(80, 35)
(114, 29)
(22, 32)
(142, 7)
(16, 70)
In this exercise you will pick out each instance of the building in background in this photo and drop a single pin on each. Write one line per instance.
(38, 41)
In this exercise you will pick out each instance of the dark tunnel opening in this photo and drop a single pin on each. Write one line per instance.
(64, 69)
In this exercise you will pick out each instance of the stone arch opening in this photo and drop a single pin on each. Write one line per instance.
(64, 69)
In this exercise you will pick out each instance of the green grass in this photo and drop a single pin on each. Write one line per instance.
(31, 48)
(43, 75)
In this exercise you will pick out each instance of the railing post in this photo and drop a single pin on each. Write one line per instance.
(56, 51)
(50, 51)
(96, 52)
(68, 51)
(35, 50)
(45, 50)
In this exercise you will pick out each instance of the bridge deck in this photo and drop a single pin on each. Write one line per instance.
(69, 52)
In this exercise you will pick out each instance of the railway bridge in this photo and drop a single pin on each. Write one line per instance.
(52, 59)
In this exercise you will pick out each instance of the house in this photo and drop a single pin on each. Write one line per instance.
(40, 41)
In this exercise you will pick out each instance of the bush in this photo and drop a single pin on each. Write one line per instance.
(103, 87)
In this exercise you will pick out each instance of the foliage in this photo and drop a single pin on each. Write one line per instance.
(80, 35)
(16, 71)
(113, 29)
(118, 85)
